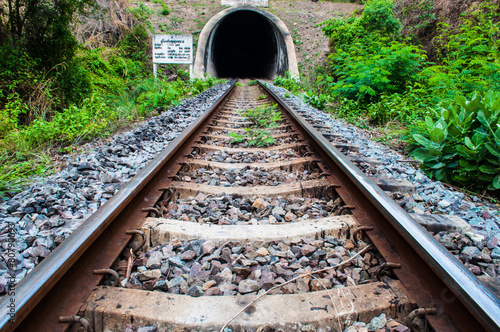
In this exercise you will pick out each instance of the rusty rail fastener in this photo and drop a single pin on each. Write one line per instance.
(76, 319)
(343, 208)
(111, 272)
(153, 210)
(143, 238)
(188, 166)
(386, 265)
(420, 312)
(361, 228)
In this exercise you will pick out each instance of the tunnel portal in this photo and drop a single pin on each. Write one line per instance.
(245, 42)
(244, 46)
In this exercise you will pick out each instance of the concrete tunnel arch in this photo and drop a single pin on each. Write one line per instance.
(245, 42)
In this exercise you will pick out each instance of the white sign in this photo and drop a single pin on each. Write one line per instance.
(173, 49)
(256, 3)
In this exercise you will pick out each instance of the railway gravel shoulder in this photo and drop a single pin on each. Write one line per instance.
(47, 212)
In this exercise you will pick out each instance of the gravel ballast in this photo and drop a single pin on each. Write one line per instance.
(429, 196)
(35, 221)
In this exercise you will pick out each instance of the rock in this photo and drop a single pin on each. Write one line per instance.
(393, 326)
(320, 284)
(377, 323)
(242, 271)
(308, 328)
(176, 261)
(248, 286)
(259, 204)
(209, 284)
(475, 269)
(175, 282)
(302, 286)
(492, 243)
(307, 250)
(278, 211)
(208, 247)
(213, 291)
(290, 216)
(444, 204)
(225, 275)
(161, 285)
(154, 261)
(149, 274)
(262, 252)
(188, 255)
(495, 254)
(40, 251)
(194, 291)
(267, 280)
(304, 261)
(470, 252)
(227, 288)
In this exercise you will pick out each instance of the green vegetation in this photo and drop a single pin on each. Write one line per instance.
(464, 144)
(254, 136)
(56, 94)
(448, 109)
(263, 118)
(291, 84)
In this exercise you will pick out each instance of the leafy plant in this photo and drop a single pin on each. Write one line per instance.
(261, 97)
(316, 100)
(264, 116)
(237, 138)
(255, 136)
(141, 12)
(259, 137)
(464, 144)
(289, 83)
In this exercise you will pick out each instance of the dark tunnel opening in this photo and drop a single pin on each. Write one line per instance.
(244, 46)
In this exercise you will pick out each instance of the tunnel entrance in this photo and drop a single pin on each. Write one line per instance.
(245, 42)
(244, 46)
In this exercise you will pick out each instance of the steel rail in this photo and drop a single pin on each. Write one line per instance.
(33, 289)
(476, 297)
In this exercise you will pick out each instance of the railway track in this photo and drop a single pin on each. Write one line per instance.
(286, 235)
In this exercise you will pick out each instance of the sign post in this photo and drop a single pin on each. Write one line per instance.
(172, 49)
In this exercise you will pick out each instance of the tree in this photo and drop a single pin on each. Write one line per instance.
(41, 28)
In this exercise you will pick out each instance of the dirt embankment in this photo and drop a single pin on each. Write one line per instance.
(420, 18)
(107, 24)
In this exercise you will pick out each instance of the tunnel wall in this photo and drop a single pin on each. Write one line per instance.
(285, 59)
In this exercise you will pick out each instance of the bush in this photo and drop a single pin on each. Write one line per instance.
(464, 144)
(287, 82)
(378, 16)
(135, 45)
(469, 58)
(369, 58)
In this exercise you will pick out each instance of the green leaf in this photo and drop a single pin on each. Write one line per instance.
(477, 139)
(489, 169)
(437, 135)
(425, 142)
(468, 143)
(424, 155)
(429, 123)
(438, 165)
(440, 174)
(496, 182)
(464, 152)
(492, 150)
